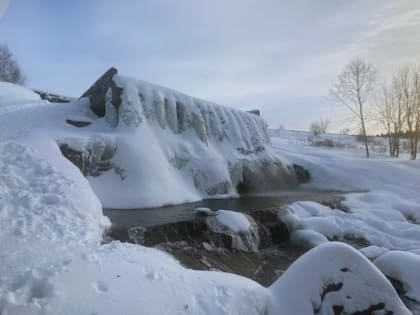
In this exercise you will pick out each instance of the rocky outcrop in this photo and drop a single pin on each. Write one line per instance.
(92, 157)
(255, 112)
(98, 91)
(53, 97)
(205, 232)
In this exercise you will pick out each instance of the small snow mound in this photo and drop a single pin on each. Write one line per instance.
(235, 221)
(404, 267)
(204, 211)
(308, 238)
(241, 228)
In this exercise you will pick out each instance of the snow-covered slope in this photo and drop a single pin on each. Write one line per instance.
(12, 93)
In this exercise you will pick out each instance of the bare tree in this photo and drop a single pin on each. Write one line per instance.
(353, 88)
(408, 81)
(319, 127)
(9, 69)
(391, 114)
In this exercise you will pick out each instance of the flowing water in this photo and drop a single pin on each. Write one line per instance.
(122, 219)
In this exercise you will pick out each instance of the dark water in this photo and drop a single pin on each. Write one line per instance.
(167, 214)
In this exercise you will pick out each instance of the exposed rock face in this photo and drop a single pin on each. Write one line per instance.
(255, 112)
(303, 175)
(52, 97)
(97, 93)
(206, 232)
(92, 157)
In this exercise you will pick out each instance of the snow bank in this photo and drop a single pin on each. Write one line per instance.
(52, 260)
(381, 211)
(404, 267)
(46, 216)
(333, 277)
(12, 93)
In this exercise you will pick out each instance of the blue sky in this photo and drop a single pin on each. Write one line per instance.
(278, 56)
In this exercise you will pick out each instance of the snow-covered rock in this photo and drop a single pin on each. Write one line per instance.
(309, 221)
(188, 148)
(334, 278)
(404, 267)
(240, 227)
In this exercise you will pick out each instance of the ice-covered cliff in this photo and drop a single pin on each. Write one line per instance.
(163, 146)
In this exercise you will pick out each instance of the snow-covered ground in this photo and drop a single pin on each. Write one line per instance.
(382, 206)
(51, 224)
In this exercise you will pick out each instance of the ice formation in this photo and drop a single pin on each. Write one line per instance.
(187, 148)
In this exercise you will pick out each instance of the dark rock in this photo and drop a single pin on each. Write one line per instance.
(97, 92)
(336, 203)
(255, 112)
(192, 233)
(302, 174)
(272, 230)
(52, 97)
(93, 158)
(75, 156)
(264, 176)
(78, 123)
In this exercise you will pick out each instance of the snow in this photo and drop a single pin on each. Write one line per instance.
(382, 198)
(241, 228)
(235, 221)
(403, 266)
(51, 224)
(373, 251)
(355, 284)
(12, 93)
(200, 148)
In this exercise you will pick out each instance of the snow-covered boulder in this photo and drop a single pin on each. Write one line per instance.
(334, 278)
(222, 229)
(404, 267)
(183, 146)
(241, 229)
